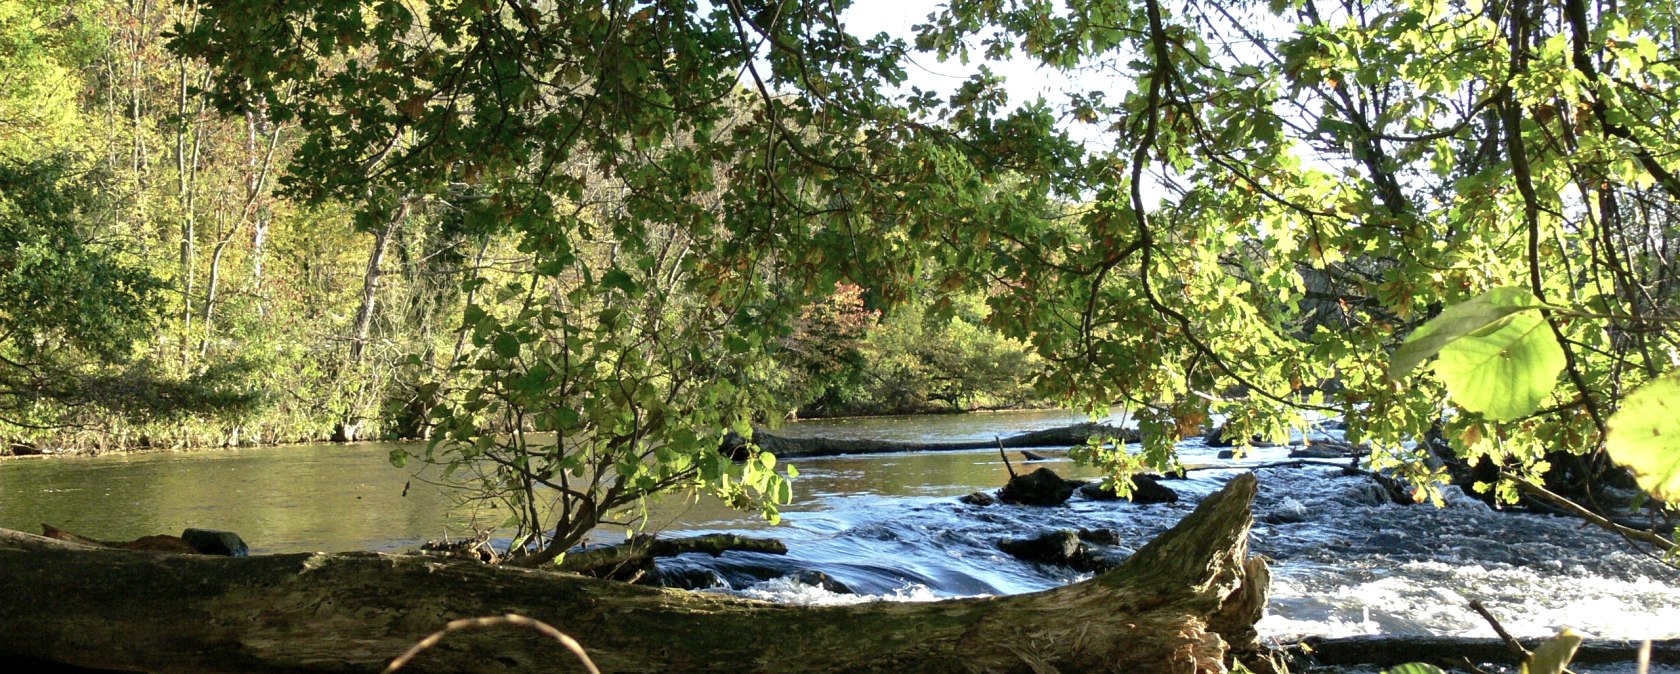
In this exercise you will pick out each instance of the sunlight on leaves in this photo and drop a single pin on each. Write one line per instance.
(1415, 668)
(1505, 370)
(1645, 437)
(1458, 321)
(1554, 655)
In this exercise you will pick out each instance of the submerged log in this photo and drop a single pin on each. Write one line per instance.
(1186, 602)
(792, 448)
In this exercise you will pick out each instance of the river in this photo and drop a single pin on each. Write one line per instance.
(890, 527)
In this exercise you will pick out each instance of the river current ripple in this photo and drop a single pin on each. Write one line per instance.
(1344, 561)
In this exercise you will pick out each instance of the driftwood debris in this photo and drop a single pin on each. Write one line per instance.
(190, 542)
(1389, 651)
(792, 448)
(1185, 602)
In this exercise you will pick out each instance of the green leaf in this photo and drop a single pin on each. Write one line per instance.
(507, 345)
(1554, 655)
(1458, 321)
(619, 279)
(737, 344)
(399, 457)
(1644, 436)
(1415, 668)
(1505, 370)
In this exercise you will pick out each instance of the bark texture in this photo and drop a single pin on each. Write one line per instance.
(1183, 604)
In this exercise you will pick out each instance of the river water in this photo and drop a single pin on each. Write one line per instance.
(890, 527)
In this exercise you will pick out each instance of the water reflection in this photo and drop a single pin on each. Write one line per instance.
(281, 499)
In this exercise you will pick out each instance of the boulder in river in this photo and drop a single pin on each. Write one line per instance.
(1217, 438)
(1033, 456)
(1056, 547)
(1287, 511)
(816, 578)
(1042, 487)
(1066, 547)
(1145, 489)
(1328, 449)
(1100, 536)
(979, 498)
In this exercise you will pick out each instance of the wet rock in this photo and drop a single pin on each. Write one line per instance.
(1100, 536)
(213, 542)
(1066, 547)
(1328, 449)
(979, 498)
(1216, 438)
(1366, 494)
(1227, 455)
(1033, 456)
(1145, 489)
(816, 578)
(1056, 547)
(688, 578)
(1042, 487)
(1288, 511)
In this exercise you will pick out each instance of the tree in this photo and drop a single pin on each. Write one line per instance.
(73, 307)
(674, 224)
(1331, 175)
(1280, 193)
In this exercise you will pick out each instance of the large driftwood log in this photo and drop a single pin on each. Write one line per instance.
(793, 448)
(1184, 603)
(1388, 651)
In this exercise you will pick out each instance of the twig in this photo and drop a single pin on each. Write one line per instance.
(1005, 456)
(495, 621)
(1510, 641)
(1548, 496)
(1467, 664)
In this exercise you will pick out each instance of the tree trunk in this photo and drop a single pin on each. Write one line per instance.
(1186, 602)
(370, 283)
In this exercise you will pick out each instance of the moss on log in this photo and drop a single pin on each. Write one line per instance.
(1184, 603)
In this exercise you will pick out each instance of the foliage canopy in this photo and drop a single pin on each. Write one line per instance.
(1265, 199)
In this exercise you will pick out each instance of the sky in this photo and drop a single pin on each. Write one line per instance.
(1025, 79)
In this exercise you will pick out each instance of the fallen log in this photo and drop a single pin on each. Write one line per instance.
(1185, 602)
(1389, 651)
(793, 448)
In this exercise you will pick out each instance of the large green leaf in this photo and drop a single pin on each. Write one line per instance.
(1415, 668)
(1554, 655)
(1457, 321)
(1645, 437)
(1504, 370)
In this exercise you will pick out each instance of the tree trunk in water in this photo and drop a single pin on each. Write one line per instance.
(1187, 602)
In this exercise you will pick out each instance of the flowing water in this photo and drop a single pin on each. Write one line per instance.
(1345, 562)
